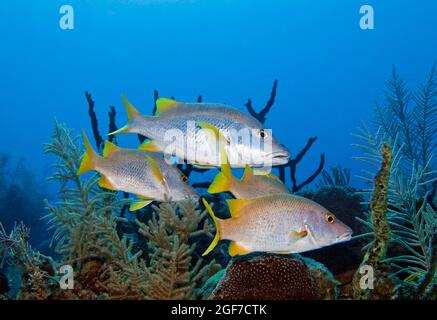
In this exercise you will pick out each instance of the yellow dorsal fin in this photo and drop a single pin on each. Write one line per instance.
(155, 169)
(268, 175)
(237, 249)
(138, 204)
(109, 148)
(217, 230)
(105, 183)
(248, 172)
(235, 206)
(164, 104)
(149, 145)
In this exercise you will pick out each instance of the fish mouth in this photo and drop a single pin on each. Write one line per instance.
(344, 237)
(280, 157)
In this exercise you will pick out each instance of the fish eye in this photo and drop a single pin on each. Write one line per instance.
(330, 218)
(184, 178)
(262, 134)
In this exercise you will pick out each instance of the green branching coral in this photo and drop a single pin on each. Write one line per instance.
(85, 225)
(36, 269)
(84, 218)
(172, 273)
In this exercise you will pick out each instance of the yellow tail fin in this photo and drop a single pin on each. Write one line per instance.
(88, 162)
(217, 231)
(131, 112)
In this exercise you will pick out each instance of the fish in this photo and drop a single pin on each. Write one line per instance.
(254, 183)
(277, 223)
(196, 132)
(142, 173)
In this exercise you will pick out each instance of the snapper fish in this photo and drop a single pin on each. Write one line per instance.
(277, 223)
(142, 173)
(254, 183)
(197, 131)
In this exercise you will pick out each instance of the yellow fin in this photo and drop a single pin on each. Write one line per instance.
(268, 175)
(236, 249)
(235, 206)
(217, 230)
(222, 180)
(164, 104)
(155, 168)
(219, 184)
(225, 166)
(149, 145)
(105, 183)
(88, 158)
(248, 172)
(214, 129)
(131, 112)
(109, 148)
(296, 235)
(139, 204)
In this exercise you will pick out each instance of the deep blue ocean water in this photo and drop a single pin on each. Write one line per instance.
(330, 71)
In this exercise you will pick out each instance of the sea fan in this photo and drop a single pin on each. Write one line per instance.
(413, 124)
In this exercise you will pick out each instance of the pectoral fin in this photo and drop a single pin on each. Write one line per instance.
(214, 129)
(105, 183)
(155, 169)
(237, 249)
(296, 235)
(139, 204)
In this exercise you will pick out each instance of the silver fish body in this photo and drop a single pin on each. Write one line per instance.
(280, 223)
(178, 130)
(130, 171)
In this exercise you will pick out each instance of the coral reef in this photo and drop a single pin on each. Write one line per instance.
(172, 273)
(37, 270)
(266, 277)
(85, 221)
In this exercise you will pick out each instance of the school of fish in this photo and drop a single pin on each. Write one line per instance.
(265, 215)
